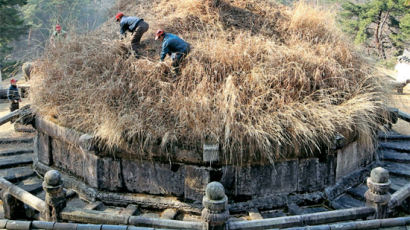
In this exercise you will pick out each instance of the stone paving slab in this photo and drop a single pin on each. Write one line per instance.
(391, 155)
(12, 161)
(16, 174)
(399, 169)
(32, 184)
(358, 192)
(32, 188)
(397, 182)
(346, 201)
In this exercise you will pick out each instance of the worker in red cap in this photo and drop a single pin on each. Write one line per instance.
(174, 46)
(135, 25)
(57, 35)
(13, 95)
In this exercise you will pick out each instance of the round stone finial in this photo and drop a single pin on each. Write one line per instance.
(53, 178)
(379, 175)
(215, 191)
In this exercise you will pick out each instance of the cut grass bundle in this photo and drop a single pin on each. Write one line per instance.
(264, 81)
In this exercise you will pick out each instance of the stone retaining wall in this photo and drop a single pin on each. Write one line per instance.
(64, 149)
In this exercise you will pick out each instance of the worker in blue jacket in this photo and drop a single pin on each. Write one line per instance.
(174, 46)
(135, 25)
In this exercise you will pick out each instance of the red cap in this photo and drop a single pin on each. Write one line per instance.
(58, 27)
(119, 16)
(13, 80)
(159, 33)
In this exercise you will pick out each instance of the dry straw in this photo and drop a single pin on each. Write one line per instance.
(264, 81)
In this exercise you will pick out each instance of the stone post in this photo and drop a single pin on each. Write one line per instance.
(378, 196)
(55, 195)
(215, 202)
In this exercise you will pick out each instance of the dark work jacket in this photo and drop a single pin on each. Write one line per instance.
(13, 93)
(173, 44)
(129, 23)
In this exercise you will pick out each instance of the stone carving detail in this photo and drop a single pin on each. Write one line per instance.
(55, 195)
(378, 195)
(215, 202)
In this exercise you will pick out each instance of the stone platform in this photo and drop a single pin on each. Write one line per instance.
(186, 173)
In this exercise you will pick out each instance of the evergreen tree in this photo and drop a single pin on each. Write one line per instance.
(377, 21)
(12, 25)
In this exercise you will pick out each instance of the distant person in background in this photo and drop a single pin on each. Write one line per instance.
(1, 67)
(57, 35)
(13, 95)
(174, 46)
(27, 67)
(135, 25)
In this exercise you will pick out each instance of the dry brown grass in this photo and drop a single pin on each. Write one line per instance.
(263, 81)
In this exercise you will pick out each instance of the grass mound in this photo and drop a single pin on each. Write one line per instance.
(264, 81)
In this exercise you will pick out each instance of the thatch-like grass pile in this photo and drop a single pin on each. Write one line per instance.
(261, 80)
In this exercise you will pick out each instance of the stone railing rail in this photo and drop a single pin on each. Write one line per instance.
(396, 114)
(399, 196)
(215, 214)
(9, 189)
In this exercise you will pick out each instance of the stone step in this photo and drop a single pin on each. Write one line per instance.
(16, 174)
(314, 209)
(397, 183)
(16, 140)
(398, 169)
(391, 155)
(401, 146)
(31, 187)
(13, 161)
(11, 152)
(393, 137)
(346, 201)
(358, 192)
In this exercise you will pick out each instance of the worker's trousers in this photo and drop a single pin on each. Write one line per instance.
(142, 27)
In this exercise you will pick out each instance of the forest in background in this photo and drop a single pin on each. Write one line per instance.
(381, 27)
(26, 25)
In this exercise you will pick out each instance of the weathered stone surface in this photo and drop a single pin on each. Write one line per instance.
(196, 179)
(210, 152)
(280, 177)
(351, 158)
(346, 201)
(309, 178)
(392, 155)
(153, 178)
(12, 152)
(12, 161)
(109, 174)
(358, 192)
(75, 161)
(16, 174)
(44, 151)
(94, 205)
(398, 169)
(187, 156)
(130, 210)
(327, 171)
(169, 214)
